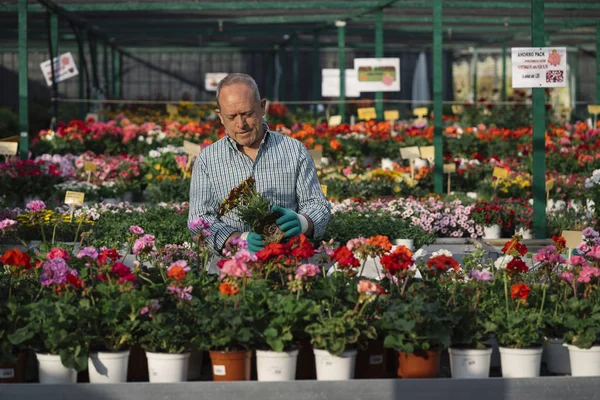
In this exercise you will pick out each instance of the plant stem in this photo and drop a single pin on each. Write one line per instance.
(542, 306)
(506, 294)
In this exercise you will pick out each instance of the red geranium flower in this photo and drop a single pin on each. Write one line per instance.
(398, 260)
(16, 258)
(272, 250)
(301, 247)
(516, 265)
(560, 243)
(514, 248)
(519, 290)
(345, 258)
(443, 263)
(74, 281)
(108, 254)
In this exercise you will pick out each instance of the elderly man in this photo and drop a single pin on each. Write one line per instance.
(282, 167)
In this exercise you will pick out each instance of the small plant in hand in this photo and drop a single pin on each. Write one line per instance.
(254, 209)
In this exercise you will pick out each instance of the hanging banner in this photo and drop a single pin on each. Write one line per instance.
(212, 79)
(64, 68)
(535, 67)
(330, 83)
(378, 74)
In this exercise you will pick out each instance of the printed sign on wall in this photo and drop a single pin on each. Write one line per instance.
(330, 83)
(212, 79)
(378, 74)
(64, 68)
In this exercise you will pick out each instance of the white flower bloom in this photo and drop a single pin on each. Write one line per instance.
(140, 138)
(419, 254)
(441, 252)
(502, 262)
(149, 140)
(154, 154)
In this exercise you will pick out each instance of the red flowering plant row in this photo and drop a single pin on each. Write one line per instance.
(28, 177)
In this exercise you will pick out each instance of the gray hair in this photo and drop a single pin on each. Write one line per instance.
(238, 78)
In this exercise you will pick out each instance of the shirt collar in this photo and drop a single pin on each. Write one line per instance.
(264, 140)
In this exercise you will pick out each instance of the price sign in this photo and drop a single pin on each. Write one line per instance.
(427, 152)
(335, 120)
(367, 113)
(456, 109)
(172, 109)
(324, 189)
(316, 155)
(410, 153)
(74, 198)
(8, 148)
(391, 115)
(594, 108)
(190, 148)
(572, 240)
(14, 139)
(500, 173)
(449, 168)
(420, 112)
(90, 166)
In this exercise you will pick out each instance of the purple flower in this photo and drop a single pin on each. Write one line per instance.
(481, 276)
(36, 205)
(199, 224)
(143, 244)
(548, 255)
(578, 261)
(136, 230)
(589, 233)
(89, 252)
(181, 293)
(55, 271)
(566, 276)
(151, 309)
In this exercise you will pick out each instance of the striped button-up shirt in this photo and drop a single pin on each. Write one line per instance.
(284, 173)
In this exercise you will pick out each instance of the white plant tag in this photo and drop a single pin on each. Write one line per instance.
(376, 360)
(219, 370)
(7, 373)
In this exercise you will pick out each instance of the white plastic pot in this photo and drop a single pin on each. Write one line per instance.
(51, 370)
(272, 366)
(556, 357)
(167, 368)
(470, 363)
(108, 367)
(584, 362)
(525, 233)
(408, 243)
(492, 232)
(335, 368)
(521, 363)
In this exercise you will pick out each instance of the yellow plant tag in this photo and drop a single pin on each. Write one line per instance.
(594, 109)
(8, 148)
(190, 148)
(391, 115)
(74, 198)
(572, 238)
(14, 139)
(458, 109)
(549, 185)
(90, 166)
(449, 168)
(335, 120)
(324, 189)
(420, 112)
(410, 153)
(367, 113)
(316, 155)
(172, 109)
(427, 152)
(500, 173)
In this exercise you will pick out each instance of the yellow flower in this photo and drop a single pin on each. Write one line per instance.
(149, 177)
(397, 189)
(157, 167)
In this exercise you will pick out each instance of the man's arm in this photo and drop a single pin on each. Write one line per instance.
(312, 203)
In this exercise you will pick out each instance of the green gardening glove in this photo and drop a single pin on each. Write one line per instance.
(289, 222)
(255, 242)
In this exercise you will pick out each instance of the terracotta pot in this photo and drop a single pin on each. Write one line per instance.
(137, 370)
(420, 364)
(371, 363)
(305, 368)
(231, 365)
(14, 373)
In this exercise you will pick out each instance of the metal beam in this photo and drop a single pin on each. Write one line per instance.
(379, 54)
(475, 62)
(504, 70)
(316, 62)
(539, 129)
(438, 140)
(54, 53)
(341, 26)
(23, 80)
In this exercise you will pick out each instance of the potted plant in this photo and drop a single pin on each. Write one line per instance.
(414, 323)
(470, 352)
(52, 325)
(490, 216)
(517, 310)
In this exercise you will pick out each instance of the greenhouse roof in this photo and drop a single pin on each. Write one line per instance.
(218, 25)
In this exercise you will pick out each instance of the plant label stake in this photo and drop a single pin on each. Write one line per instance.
(499, 173)
(172, 110)
(449, 169)
(334, 120)
(367, 113)
(192, 150)
(391, 115)
(594, 109)
(427, 152)
(420, 113)
(572, 240)
(458, 109)
(73, 199)
(410, 153)
(316, 155)
(89, 168)
(8, 149)
(549, 186)
(324, 189)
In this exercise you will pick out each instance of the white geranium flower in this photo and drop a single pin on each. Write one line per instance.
(441, 252)
(154, 154)
(502, 262)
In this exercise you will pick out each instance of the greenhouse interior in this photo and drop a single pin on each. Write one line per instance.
(208, 199)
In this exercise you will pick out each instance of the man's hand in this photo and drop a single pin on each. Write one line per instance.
(290, 222)
(255, 242)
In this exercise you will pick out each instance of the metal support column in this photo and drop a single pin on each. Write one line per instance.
(438, 141)
(54, 47)
(295, 72)
(82, 74)
(539, 128)
(341, 25)
(504, 70)
(117, 63)
(379, 54)
(106, 86)
(597, 64)
(23, 76)
(282, 77)
(316, 61)
(113, 63)
(475, 62)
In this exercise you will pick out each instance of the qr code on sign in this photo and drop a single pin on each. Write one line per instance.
(554, 76)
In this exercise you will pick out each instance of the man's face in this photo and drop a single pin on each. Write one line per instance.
(241, 114)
